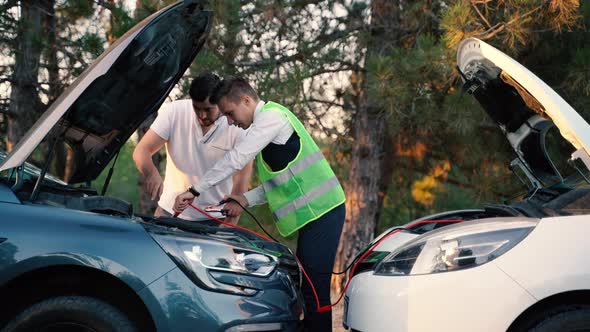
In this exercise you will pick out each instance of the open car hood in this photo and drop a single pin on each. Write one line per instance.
(523, 106)
(125, 85)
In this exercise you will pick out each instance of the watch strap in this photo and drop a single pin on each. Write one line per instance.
(193, 191)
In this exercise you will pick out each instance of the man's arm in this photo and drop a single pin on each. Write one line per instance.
(241, 181)
(149, 144)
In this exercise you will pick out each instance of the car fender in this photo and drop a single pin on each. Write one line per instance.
(552, 259)
(40, 236)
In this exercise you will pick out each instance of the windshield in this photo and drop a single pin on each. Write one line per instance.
(31, 173)
(101, 110)
(559, 152)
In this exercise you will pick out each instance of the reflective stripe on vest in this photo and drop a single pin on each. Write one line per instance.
(300, 202)
(297, 167)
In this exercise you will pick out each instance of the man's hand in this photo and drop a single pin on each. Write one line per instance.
(232, 220)
(182, 201)
(233, 209)
(154, 185)
(142, 156)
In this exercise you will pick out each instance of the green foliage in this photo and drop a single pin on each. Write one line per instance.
(513, 24)
(121, 21)
(406, 82)
(579, 72)
(227, 12)
(124, 180)
(458, 22)
(76, 9)
(461, 113)
(208, 61)
(92, 43)
(145, 8)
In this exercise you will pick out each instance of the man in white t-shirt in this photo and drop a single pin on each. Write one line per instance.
(196, 137)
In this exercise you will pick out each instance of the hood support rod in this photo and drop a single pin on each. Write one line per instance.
(105, 186)
(18, 181)
(37, 187)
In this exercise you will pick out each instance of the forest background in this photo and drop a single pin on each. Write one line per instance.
(374, 81)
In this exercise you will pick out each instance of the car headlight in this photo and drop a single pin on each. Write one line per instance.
(198, 258)
(456, 247)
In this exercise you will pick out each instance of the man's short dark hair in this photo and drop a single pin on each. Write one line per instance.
(202, 86)
(232, 88)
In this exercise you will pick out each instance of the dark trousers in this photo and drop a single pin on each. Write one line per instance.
(316, 249)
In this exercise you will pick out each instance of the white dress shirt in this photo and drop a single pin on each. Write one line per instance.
(190, 153)
(266, 128)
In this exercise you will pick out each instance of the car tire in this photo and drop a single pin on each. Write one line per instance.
(71, 314)
(564, 319)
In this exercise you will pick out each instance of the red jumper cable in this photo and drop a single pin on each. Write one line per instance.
(365, 254)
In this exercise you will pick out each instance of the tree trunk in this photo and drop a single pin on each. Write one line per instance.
(62, 154)
(388, 164)
(363, 188)
(366, 184)
(24, 97)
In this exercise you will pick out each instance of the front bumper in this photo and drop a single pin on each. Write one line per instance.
(478, 299)
(177, 304)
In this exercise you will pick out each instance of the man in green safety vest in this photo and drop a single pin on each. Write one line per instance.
(297, 182)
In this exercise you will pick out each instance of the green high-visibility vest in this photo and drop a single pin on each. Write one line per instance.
(306, 188)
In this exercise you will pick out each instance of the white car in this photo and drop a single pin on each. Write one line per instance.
(518, 267)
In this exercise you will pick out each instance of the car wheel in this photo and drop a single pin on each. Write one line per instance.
(71, 314)
(564, 319)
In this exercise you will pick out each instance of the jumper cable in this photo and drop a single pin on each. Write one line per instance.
(357, 261)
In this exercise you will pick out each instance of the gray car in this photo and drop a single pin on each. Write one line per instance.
(72, 259)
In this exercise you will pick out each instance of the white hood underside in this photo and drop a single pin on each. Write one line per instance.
(571, 125)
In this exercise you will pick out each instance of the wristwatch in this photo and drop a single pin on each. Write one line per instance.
(193, 191)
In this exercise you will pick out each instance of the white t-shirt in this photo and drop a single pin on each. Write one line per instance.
(189, 154)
